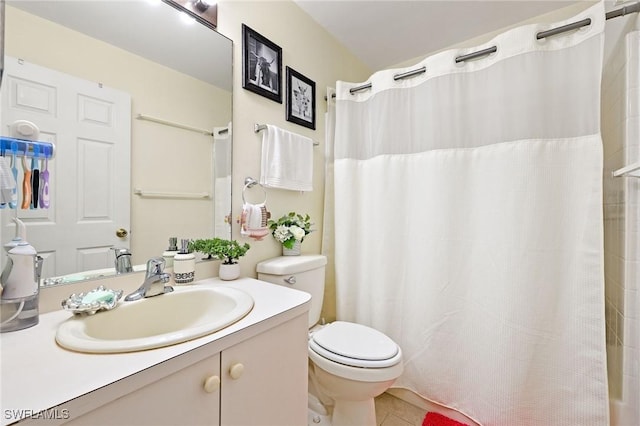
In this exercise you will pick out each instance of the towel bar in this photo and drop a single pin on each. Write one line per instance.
(632, 170)
(260, 127)
(174, 124)
(172, 195)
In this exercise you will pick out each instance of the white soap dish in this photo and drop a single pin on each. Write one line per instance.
(89, 303)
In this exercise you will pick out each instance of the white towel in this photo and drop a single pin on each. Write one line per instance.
(287, 160)
(7, 182)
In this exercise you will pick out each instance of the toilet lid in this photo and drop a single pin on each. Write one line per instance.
(356, 345)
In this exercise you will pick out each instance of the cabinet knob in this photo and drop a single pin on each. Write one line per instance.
(236, 371)
(211, 384)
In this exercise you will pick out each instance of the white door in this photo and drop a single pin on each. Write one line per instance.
(90, 126)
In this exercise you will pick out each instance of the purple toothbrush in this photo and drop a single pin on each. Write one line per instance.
(44, 186)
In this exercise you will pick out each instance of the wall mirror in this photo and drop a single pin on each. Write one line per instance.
(136, 96)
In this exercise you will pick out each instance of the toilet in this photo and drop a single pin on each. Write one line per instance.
(350, 364)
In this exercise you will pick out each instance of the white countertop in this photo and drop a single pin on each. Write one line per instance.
(37, 374)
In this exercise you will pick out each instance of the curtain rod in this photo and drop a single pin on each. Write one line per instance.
(624, 10)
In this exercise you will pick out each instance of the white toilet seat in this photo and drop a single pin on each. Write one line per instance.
(357, 374)
(355, 345)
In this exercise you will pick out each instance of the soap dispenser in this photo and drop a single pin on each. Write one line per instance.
(184, 264)
(171, 252)
(20, 288)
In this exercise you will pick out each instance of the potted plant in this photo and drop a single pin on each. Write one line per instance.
(229, 251)
(290, 231)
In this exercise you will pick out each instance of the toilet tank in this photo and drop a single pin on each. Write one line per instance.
(304, 273)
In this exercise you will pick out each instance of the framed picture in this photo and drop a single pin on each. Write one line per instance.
(301, 99)
(261, 65)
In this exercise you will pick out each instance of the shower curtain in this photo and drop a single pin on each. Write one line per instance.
(468, 225)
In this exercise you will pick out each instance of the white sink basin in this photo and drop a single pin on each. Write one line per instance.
(185, 314)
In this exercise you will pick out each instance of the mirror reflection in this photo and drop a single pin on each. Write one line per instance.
(137, 101)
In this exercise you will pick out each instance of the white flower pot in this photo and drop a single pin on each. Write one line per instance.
(295, 251)
(229, 272)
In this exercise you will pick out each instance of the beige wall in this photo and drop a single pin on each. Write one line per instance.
(163, 158)
(310, 50)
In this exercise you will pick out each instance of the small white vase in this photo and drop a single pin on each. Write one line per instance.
(228, 272)
(294, 251)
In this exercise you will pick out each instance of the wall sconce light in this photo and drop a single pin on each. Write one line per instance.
(201, 5)
(203, 11)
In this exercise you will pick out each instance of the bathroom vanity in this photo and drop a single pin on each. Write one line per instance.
(253, 372)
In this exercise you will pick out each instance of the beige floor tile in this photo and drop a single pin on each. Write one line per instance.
(384, 406)
(389, 408)
(380, 418)
(393, 420)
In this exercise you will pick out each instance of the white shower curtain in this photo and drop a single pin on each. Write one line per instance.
(468, 225)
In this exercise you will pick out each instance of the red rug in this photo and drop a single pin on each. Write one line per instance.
(435, 419)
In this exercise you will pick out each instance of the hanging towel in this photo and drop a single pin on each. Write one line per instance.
(7, 182)
(253, 221)
(287, 160)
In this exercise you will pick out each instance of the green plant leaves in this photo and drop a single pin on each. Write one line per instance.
(226, 250)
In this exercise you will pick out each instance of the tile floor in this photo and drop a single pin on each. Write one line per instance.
(391, 411)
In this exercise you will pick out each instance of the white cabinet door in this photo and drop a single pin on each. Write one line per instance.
(190, 396)
(264, 379)
(261, 381)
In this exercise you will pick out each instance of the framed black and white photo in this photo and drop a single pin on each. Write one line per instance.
(261, 65)
(301, 99)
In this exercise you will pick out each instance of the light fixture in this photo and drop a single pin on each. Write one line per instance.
(201, 5)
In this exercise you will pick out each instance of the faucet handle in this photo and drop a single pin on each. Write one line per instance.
(121, 251)
(155, 266)
(123, 260)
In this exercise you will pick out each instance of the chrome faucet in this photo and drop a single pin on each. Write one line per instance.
(123, 260)
(154, 282)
